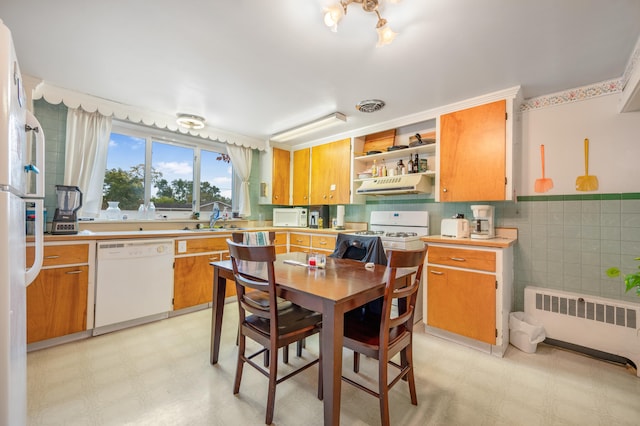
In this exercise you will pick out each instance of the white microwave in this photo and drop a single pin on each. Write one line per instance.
(296, 216)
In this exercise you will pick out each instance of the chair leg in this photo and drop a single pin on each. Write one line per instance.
(239, 365)
(383, 391)
(356, 361)
(273, 377)
(299, 347)
(285, 354)
(266, 358)
(410, 377)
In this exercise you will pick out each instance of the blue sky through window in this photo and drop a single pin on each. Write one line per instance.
(174, 162)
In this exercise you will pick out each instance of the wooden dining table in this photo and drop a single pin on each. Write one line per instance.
(341, 286)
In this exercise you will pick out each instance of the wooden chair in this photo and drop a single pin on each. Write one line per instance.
(271, 328)
(258, 238)
(383, 336)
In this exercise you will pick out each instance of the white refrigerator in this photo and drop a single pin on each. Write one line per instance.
(16, 123)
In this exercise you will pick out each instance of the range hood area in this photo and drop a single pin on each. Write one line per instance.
(391, 185)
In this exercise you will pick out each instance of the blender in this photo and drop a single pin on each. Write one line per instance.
(482, 227)
(65, 220)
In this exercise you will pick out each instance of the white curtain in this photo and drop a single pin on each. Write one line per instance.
(241, 161)
(86, 156)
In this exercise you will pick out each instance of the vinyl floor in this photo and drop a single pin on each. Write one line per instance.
(159, 374)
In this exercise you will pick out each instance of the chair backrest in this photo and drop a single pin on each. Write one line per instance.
(254, 259)
(257, 238)
(399, 289)
(365, 248)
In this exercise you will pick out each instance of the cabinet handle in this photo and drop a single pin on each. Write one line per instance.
(73, 272)
(444, 189)
(213, 259)
(298, 241)
(458, 259)
(53, 256)
(275, 197)
(323, 243)
(437, 273)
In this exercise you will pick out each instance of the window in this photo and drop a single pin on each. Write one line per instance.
(179, 174)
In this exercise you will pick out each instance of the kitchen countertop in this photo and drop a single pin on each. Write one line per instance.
(176, 233)
(505, 237)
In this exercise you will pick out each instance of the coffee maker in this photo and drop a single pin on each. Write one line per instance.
(65, 220)
(319, 217)
(482, 227)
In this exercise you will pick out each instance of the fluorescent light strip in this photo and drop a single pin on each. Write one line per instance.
(311, 127)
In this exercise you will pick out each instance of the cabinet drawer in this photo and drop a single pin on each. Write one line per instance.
(61, 254)
(300, 240)
(323, 242)
(203, 245)
(462, 258)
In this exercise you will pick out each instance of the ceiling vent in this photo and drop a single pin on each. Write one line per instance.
(370, 105)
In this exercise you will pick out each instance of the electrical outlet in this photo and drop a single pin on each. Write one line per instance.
(182, 246)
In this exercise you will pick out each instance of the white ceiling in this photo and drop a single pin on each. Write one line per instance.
(258, 67)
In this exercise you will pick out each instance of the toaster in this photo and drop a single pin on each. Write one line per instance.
(454, 228)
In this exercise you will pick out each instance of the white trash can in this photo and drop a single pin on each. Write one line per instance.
(525, 332)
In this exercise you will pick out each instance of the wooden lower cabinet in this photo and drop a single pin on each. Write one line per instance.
(462, 302)
(193, 273)
(468, 294)
(57, 298)
(192, 281)
(57, 303)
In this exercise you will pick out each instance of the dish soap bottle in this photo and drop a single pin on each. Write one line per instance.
(374, 169)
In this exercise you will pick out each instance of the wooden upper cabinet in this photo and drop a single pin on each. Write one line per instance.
(331, 172)
(301, 163)
(473, 153)
(280, 176)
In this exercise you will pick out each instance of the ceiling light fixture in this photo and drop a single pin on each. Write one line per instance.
(190, 121)
(311, 127)
(334, 14)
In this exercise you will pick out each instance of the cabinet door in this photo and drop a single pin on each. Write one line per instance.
(331, 172)
(281, 176)
(462, 302)
(472, 153)
(192, 281)
(57, 303)
(301, 159)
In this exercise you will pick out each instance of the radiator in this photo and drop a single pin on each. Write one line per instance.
(605, 325)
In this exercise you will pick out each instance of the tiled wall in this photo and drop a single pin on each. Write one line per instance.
(53, 119)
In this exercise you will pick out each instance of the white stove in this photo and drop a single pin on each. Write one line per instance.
(399, 230)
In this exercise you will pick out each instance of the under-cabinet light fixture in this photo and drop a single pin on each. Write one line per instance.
(334, 14)
(311, 127)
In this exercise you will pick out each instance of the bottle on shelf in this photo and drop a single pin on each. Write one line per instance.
(374, 169)
(402, 170)
(410, 164)
(384, 169)
(416, 164)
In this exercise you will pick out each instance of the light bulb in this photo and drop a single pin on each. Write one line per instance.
(332, 16)
(385, 35)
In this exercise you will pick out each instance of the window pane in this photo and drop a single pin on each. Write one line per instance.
(171, 177)
(124, 177)
(216, 175)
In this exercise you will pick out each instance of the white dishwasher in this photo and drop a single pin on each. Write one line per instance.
(134, 283)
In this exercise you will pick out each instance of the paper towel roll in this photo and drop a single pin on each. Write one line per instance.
(340, 217)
